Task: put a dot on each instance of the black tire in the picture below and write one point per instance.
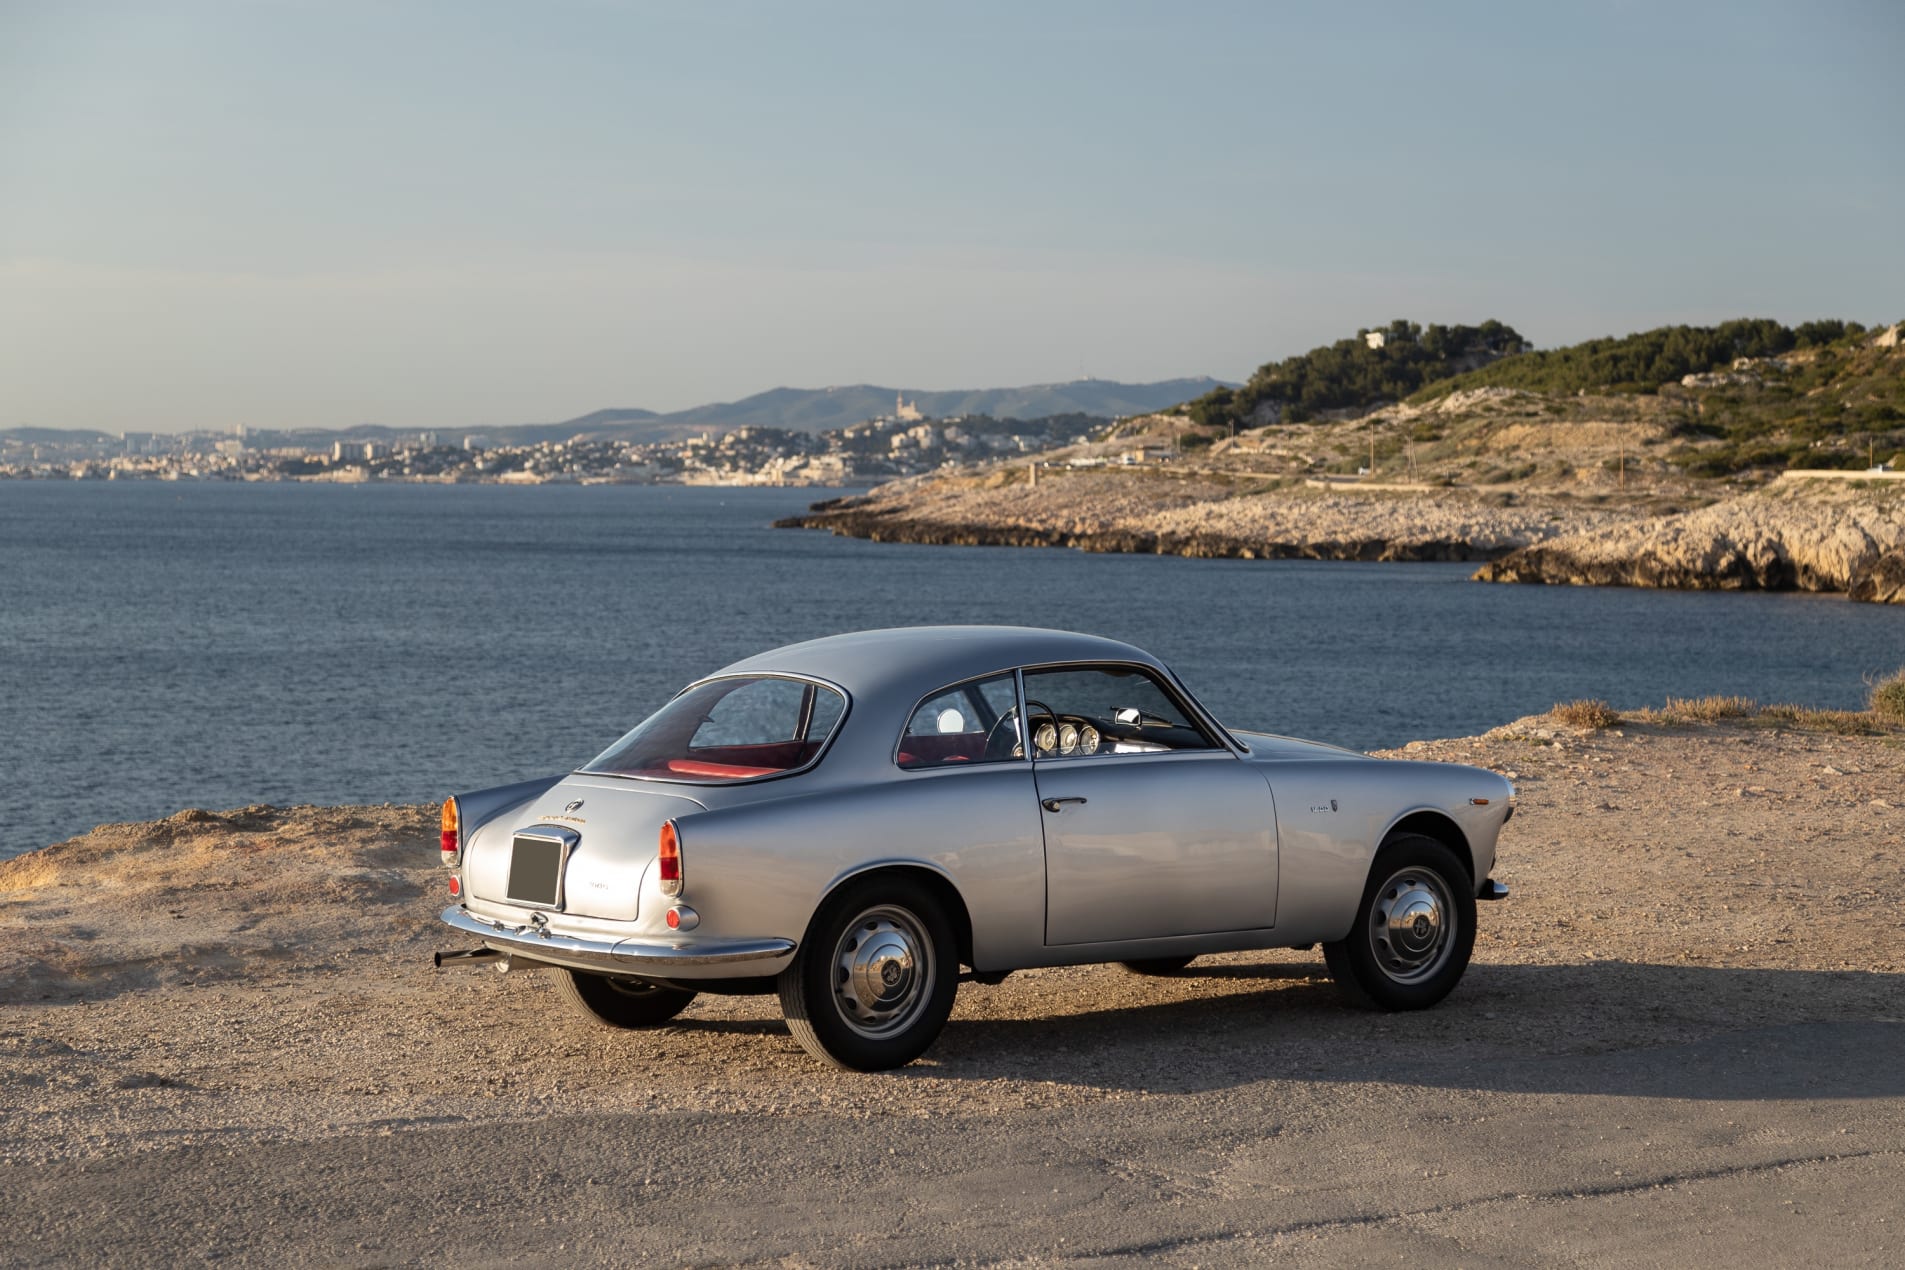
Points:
(1157, 965)
(622, 1003)
(875, 978)
(1414, 929)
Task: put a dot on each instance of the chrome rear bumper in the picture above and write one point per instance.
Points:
(729, 957)
(1492, 890)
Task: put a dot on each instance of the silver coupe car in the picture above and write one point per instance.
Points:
(850, 821)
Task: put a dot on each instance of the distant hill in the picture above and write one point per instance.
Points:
(821, 409)
(798, 409)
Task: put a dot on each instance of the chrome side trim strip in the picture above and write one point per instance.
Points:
(538, 943)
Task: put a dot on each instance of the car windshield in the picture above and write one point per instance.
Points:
(729, 730)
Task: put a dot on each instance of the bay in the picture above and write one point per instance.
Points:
(176, 645)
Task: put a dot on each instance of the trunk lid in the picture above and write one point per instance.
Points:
(617, 824)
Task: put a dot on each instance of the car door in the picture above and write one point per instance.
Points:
(1152, 827)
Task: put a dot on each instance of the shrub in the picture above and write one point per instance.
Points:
(1589, 712)
(1808, 719)
(1698, 710)
(1887, 699)
(1711, 709)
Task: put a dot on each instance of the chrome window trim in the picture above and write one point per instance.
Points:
(846, 709)
(1018, 700)
(1114, 759)
(1167, 679)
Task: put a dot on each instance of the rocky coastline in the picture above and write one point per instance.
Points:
(1830, 536)
(879, 527)
(1792, 536)
(1199, 518)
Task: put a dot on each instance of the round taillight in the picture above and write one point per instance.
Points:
(456, 886)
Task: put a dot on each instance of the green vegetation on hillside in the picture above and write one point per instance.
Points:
(1838, 406)
(1743, 396)
(1356, 374)
(1642, 362)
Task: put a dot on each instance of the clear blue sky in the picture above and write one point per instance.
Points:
(288, 213)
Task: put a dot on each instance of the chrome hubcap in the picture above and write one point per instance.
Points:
(1411, 926)
(883, 971)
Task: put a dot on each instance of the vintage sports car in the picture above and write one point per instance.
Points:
(849, 821)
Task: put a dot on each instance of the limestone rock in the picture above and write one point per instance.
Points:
(1883, 582)
(1808, 536)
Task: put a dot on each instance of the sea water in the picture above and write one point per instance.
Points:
(169, 645)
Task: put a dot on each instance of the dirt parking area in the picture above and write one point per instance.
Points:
(221, 1038)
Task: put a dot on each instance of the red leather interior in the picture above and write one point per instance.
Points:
(735, 762)
(930, 750)
(697, 767)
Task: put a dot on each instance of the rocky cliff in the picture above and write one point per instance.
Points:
(1802, 535)
(1118, 512)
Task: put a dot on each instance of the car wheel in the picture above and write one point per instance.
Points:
(625, 1003)
(875, 978)
(1414, 929)
(1157, 965)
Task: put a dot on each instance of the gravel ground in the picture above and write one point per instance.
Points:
(1689, 906)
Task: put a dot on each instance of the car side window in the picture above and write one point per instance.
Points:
(972, 722)
(1092, 711)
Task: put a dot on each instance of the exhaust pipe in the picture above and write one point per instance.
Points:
(472, 954)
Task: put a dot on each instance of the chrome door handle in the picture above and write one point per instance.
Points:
(1053, 804)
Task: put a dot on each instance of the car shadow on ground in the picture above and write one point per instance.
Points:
(1607, 1027)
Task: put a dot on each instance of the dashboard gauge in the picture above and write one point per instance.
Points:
(1088, 740)
(1046, 738)
(1067, 739)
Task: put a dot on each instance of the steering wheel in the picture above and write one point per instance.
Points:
(1006, 729)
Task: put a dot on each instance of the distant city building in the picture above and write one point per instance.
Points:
(906, 410)
(1375, 339)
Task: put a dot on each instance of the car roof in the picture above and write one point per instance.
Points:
(886, 673)
(897, 666)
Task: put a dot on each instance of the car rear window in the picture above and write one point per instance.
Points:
(724, 730)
